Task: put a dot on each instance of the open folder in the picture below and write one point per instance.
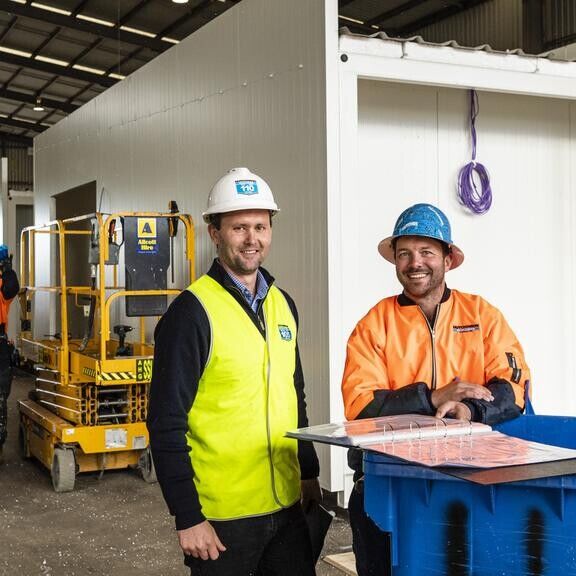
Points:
(447, 444)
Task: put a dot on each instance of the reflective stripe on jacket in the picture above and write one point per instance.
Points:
(394, 346)
(246, 401)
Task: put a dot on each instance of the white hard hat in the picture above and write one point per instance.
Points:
(239, 189)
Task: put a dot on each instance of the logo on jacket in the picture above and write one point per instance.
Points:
(468, 328)
(285, 332)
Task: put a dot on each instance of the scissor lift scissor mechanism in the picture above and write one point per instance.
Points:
(88, 409)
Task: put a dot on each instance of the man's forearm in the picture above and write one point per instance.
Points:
(503, 407)
(411, 399)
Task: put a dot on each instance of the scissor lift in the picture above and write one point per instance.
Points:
(88, 409)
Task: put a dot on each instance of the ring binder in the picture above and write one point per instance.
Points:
(435, 442)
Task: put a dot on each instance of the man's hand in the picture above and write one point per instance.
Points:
(457, 391)
(452, 409)
(311, 492)
(201, 541)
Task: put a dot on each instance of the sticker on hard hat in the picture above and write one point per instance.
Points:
(246, 187)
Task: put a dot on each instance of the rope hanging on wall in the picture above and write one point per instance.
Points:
(474, 189)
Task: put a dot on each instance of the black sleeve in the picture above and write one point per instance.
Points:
(10, 284)
(411, 399)
(502, 408)
(182, 344)
(307, 458)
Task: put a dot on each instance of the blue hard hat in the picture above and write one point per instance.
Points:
(422, 220)
(3, 251)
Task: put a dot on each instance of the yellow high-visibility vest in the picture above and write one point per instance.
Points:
(246, 401)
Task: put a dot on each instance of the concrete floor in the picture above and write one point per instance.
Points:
(114, 525)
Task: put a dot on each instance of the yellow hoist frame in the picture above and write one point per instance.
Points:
(89, 406)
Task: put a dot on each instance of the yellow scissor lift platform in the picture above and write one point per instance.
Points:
(89, 406)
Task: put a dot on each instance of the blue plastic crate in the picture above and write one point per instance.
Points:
(441, 525)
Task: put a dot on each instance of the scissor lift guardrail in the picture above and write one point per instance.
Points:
(89, 406)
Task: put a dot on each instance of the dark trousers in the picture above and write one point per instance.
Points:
(3, 417)
(371, 546)
(276, 544)
(6, 352)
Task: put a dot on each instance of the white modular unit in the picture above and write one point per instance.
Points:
(348, 132)
(520, 255)
(403, 135)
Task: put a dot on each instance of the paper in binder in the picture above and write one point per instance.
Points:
(435, 442)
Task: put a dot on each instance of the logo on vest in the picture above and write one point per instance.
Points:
(285, 332)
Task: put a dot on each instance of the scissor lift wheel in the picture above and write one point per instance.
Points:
(63, 470)
(146, 466)
(23, 441)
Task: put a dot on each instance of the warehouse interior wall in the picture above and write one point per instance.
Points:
(520, 256)
(247, 89)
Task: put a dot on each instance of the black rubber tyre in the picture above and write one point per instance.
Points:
(23, 447)
(146, 466)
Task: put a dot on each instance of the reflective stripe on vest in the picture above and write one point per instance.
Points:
(246, 401)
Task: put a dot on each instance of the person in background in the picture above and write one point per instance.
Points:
(227, 384)
(9, 288)
(430, 350)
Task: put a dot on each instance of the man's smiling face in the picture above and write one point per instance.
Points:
(243, 240)
(421, 264)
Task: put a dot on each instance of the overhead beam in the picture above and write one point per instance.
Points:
(8, 27)
(389, 14)
(436, 17)
(21, 124)
(192, 13)
(554, 43)
(533, 26)
(32, 99)
(6, 138)
(57, 70)
(73, 23)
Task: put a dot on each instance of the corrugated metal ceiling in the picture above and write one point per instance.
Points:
(63, 53)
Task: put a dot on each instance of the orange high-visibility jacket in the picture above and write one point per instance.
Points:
(7, 293)
(394, 346)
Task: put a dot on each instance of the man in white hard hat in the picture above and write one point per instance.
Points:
(430, 350)
(227, 384)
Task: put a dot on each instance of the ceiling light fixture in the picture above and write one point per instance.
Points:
(180, 1)
(38, 106)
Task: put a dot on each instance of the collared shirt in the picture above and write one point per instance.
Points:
(261, 289)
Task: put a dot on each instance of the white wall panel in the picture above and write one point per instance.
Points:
(520, 255)
(497, 22)
(243, 90)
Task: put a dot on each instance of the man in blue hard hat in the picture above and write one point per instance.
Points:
(9, 287)
(429, 350)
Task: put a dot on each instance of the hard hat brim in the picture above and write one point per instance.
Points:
(273, 208)
(387, 251)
